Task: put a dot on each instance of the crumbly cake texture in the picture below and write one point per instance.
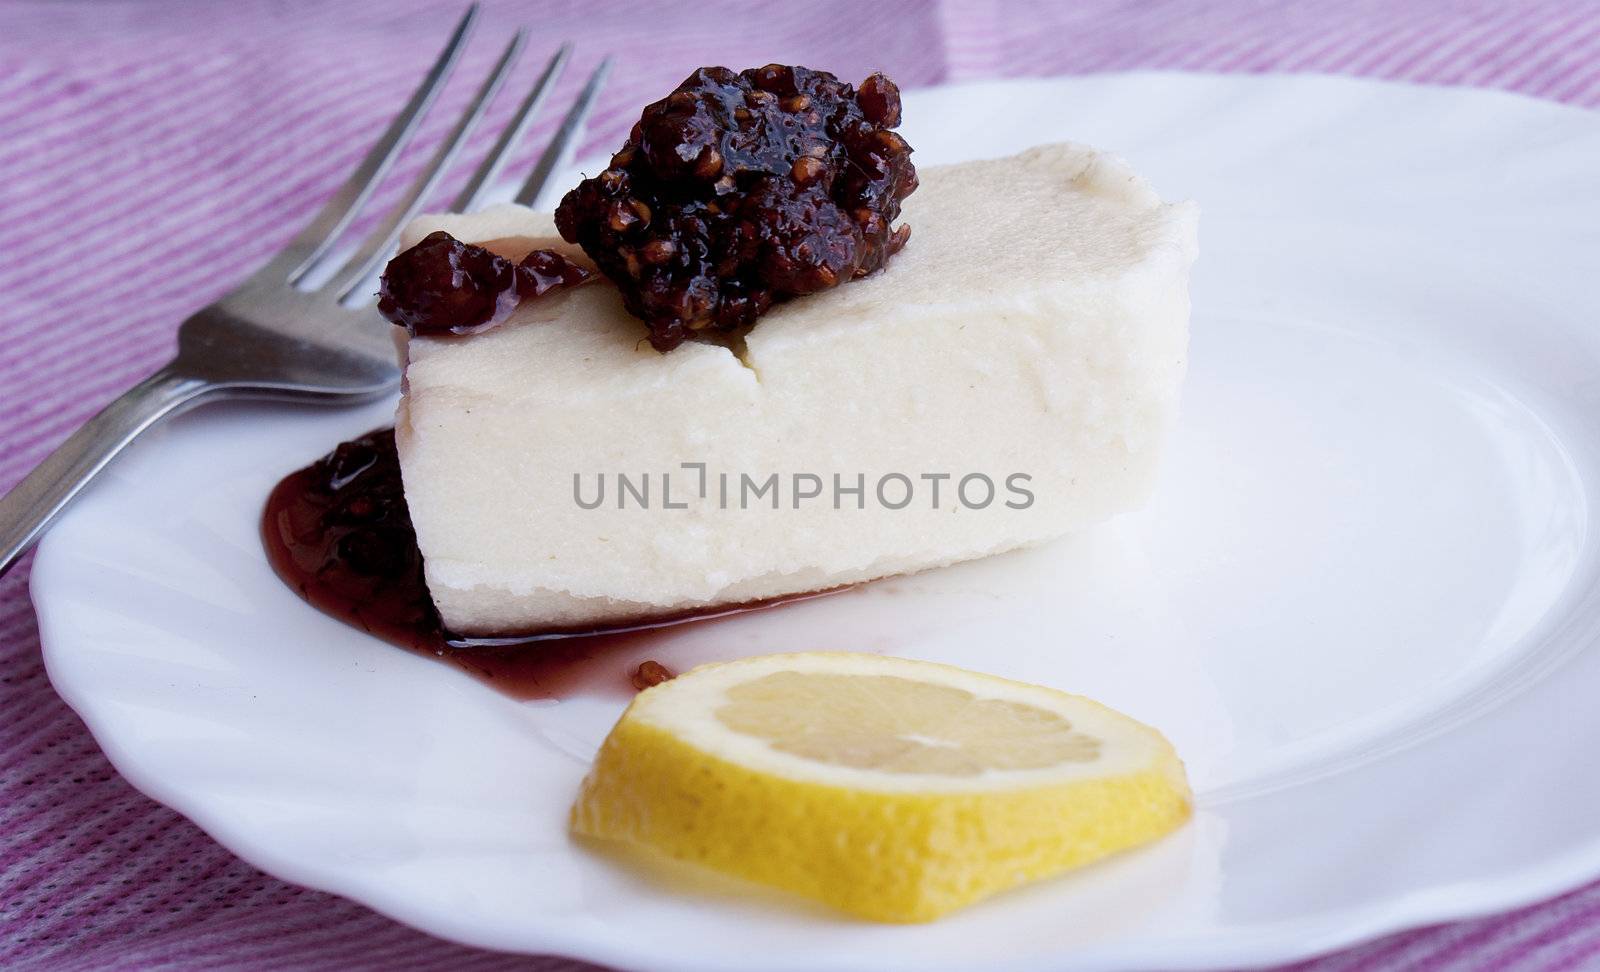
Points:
(1037, 324)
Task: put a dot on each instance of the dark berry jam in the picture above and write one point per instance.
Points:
(740, 190)
(338, 532)
(651, 673)
(445, 286)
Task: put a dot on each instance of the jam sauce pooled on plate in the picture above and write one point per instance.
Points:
(339, 534)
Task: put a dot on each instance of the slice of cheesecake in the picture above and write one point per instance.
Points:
(1030, 337)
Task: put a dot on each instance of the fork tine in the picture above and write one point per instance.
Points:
(317, 238)
(363, 266)
(566, 137)
(489, 169)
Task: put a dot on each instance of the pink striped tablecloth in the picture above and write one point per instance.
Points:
(153, 153)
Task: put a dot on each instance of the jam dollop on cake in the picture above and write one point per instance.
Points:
(445, 286)
(739, 190)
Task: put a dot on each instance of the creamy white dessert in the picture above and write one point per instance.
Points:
(1032, 335)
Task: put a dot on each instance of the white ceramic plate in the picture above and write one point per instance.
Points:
(1363, 604)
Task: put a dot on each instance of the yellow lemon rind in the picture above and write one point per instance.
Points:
(892, 856)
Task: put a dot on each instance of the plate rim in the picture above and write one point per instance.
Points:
(1459, 902)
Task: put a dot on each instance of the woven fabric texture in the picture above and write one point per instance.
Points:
(151, 154)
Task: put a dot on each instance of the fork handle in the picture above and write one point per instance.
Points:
(32, 504)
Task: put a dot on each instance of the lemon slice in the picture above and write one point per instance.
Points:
(896, 790)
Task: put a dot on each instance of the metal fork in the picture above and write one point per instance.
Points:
(276, 336)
